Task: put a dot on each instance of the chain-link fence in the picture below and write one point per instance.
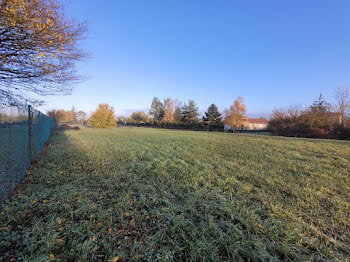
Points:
(23, 133)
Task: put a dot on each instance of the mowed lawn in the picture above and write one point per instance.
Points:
(138, 194)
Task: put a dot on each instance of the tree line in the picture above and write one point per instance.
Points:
(39, 49)
(166, 114)
(319, 120)
(68, 116)
(171, 114)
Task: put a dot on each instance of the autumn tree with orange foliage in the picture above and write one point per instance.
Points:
(38, 50)
(234, 116)
(169, 111)
(103, 117)
(68, 116)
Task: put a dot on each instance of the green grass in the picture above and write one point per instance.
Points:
(161, 195)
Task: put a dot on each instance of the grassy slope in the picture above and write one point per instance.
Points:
(148, 194)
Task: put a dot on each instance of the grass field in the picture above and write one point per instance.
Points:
(162, 195)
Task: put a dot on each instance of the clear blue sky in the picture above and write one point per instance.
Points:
(273, 53)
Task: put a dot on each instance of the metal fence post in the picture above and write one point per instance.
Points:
(30, 133)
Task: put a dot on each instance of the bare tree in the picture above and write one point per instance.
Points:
(81, 117)
(38, 50)
(278, 113)
(294, 112)
(342, 105)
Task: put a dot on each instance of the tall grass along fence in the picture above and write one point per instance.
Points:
(23, 133)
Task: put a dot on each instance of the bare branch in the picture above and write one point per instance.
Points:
(38, 49)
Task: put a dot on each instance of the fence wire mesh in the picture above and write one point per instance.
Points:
(23, 133)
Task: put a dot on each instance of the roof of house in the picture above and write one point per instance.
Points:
(257, 120)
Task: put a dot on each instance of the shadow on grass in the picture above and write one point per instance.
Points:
(14, 159)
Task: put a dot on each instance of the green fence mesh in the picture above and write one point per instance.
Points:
(23, 133)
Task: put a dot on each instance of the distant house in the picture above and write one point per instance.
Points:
(256, 123)
(252, 124)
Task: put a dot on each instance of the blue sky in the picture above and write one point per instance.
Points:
(273, 53)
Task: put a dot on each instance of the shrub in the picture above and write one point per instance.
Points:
(103, 117)
(319, 133)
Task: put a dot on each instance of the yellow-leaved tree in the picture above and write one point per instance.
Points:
(103, 117)
(39, 49)
(235, 115)
(169, 111)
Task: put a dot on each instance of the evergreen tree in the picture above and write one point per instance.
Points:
(320, 106)
(189, 112)
(212, 116)
(318, 113)
(177, 115)
(157, 110)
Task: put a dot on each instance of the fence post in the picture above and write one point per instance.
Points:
(30, 134)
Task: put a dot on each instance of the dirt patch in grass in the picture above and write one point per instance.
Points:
(67, 127)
